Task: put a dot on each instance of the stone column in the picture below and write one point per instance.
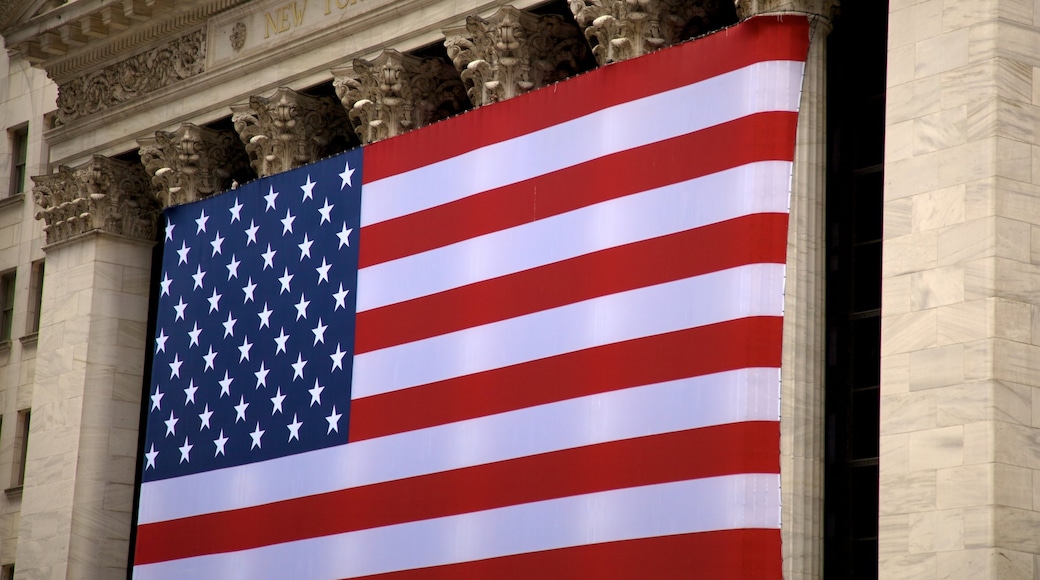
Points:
(397, 92)
(622, 29)
(288, 129)
(802, 428)
(512, 52)
(79, 479)
(192, 162)
(960, 350)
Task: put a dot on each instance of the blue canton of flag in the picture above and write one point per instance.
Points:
(255, 324)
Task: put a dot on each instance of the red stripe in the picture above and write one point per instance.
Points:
(721, 450)
(750, 554)
(755, 40)
(757, 238)
(742, 343)
(759, 137)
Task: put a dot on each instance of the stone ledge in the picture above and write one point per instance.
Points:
(30, 339)
(12, 200)
(13, 492)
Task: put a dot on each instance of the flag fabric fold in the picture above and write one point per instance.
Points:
(541, 339)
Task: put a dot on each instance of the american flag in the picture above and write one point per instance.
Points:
(539, 340)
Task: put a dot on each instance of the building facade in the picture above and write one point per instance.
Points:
(910, 424)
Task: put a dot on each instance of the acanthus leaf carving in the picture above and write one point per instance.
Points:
(623, 29)
(192, 162)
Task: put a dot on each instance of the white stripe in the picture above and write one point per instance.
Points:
(752, 290)
(699, 505)
(764, 86)
(730, 397)
(763, 187)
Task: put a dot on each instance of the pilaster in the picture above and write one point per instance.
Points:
(396, 92)
(288, 129)
(192, 162)
(79, 478)
(514, 51)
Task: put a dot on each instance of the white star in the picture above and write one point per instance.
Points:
(265, 316)
(171, 425)
(193, 335)
(248, 289)
(209, 358)
(189, 393)
(305, 247)
(216, 243)
(214, 301)
(169, 230)
(345, 176)
(287, 223)
(270, 197)
(340, 297)
(175, 366)
(319, 332)
(150, 456)
(160, 341)
(297, 367)
(276, 400)
(232, 268)
(201, 222)
(204, 417)
(316, 393)
(225, 385)
(294, 428)
(323, 271)
(285, 280)
(333, 420)
(220, 442)
(240, 409)
(301, 307)
(165, 285)
(307, 187)
(179, 308)
(182, 254)
(256, 435)
(185, 450)
(326, 212)
(269, 257)
(236, 211)
(280, 341)
(337, 358)
(251, 232)
(157, 399)
(344, 236)
(244, 349)
(198, 276)
(229, 326)
(261, 376)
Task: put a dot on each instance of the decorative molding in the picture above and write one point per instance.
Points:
(749, 8)
(623, 29)
(288, 129)
(238, 36)
(191, 163)
(103, 194)
(513, 52)
(136, 76)
(396, 92)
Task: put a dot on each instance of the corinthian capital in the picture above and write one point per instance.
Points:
(749, 8)
(192, 162)
(103, 194)
(623, 29)
(288, 129)
(513, 52)
(397, 92)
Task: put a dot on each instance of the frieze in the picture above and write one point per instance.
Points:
(134, 77)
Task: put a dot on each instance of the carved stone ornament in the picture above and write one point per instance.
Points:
(749, 8)
(238, 36)
(397, 92)
(288, 129)
(623, 29)
(513, 52)
(103, 194)
(134, 77)
(191, 163)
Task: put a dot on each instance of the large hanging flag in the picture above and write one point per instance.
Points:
(538, 340)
